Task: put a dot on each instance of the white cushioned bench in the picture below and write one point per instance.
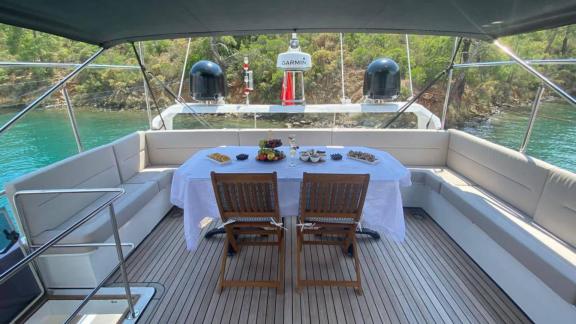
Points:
(514, 215)
(124, 164)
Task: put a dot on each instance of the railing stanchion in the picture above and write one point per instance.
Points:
(132, 314)
(448, 89)
(72, 117)
(533, 114)
(537, 74)
(48, 92)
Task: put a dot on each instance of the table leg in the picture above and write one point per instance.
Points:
(215, 231)
(364, 231)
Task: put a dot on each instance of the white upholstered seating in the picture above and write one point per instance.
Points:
(523, 205)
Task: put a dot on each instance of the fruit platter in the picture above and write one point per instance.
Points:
(269, 155)
(363, 157)
(219, 158)
(312, 156)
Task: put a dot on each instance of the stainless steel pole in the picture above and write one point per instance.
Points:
(531, 121)
(428, 86)
(184, 68)
(132, 314)
(342, 69)
(72, 117)
(537, 74)
(448, 88)
(48, 92)
(409, 64)
(146, 90)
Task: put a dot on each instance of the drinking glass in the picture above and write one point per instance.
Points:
(293, 147)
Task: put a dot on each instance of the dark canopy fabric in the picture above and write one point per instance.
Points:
(110, 22)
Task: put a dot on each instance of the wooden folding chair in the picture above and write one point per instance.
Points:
(248, 205)
(331, 204)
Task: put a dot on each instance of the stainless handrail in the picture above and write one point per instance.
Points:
(537, 74)
(52, 242)
(48, 92)
(566, 61)
(75, 245)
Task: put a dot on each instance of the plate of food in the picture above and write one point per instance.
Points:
(219, 158)
(269, 155)
(363, 157)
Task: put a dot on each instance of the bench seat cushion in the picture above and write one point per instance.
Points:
(160, 175)
(549, 259)
(434, 177)
(98, 229)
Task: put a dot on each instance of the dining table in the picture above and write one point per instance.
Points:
(383, 211)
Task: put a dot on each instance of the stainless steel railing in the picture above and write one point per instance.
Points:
(52, 242)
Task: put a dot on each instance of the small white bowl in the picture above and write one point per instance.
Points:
(304, 156)
(314, 158)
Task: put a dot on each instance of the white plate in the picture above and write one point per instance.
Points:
(218, 162)
(364, 161)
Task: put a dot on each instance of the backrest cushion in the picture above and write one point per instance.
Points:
(310, 137)
(175, 147)
(514, 177)
(556, 210)
(91, 169)
(130, 152)
(410, 147)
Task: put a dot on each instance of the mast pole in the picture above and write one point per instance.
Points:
(50, 91)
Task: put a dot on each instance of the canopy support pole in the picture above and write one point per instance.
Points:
(72, 117)
(448, 89)
(344, 100)
(535, 107)
(50, 91)
(143, 70)
(146, 90)
(537, 74)
(428, 86)
(184, 67)
(409, 65)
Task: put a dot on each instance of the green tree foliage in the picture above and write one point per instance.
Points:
(475, 91)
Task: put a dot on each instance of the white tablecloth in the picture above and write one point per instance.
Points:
(192, 188)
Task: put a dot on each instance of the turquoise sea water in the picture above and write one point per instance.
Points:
(553, 137)
(44, 136)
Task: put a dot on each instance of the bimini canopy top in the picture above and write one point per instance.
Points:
(110, 22)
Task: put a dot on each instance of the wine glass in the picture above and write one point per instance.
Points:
(293, 147)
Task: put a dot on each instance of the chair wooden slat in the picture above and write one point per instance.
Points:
(251, 200)
(333, 203)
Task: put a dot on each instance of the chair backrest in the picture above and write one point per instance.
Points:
(333, 195)
(253, 195)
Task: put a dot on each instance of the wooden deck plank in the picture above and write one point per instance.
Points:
(426, 279)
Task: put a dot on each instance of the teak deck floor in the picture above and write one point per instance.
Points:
(426, 279)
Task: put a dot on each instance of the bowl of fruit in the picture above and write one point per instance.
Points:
(269, 155)
(270, 143)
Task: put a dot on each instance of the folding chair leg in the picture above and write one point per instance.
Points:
(223, 266)
(232, 239)
(358, 288)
